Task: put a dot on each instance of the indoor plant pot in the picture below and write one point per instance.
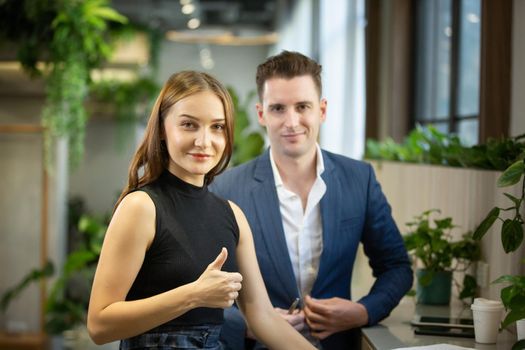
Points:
(439, 254)
(438, 291)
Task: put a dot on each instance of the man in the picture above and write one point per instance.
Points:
(308, 210)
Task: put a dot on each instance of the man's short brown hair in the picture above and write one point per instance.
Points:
(288, 64)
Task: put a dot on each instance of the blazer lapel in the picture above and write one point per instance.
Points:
(329, 215)
(266, 203)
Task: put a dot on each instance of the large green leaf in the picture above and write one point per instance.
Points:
(511, 235)
(516, 201)
(519, 345)
(486, 223)
(512, 174)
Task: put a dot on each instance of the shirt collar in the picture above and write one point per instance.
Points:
(319, 166)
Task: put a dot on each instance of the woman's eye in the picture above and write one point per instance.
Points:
(219, 126)
(188, 125)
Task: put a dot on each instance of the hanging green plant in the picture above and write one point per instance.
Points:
(132, 101)
(79, 44)
(71, 37)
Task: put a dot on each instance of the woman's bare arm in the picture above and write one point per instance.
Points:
(266, 324)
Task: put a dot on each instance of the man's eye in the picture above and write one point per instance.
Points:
(302, 107)
(277, 108)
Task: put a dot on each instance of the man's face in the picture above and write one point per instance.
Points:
(292, 113)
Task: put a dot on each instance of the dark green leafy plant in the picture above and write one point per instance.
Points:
(131, 99)
(512, 296)
(68, 301)
(33, 276)
(71, 37)
(432, 243)
(429, 146)
(248, 140)
(511, 228)
(66, 305)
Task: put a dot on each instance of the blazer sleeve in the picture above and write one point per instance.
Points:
(388, 258)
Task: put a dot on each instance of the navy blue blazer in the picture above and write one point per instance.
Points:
(354, 210)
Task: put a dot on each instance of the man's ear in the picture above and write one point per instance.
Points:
(260, 114)
(323, 105)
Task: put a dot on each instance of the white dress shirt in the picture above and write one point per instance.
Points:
(302, 228)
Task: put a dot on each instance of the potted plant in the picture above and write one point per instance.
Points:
(66, 305)
(513, 295)
(432, 243)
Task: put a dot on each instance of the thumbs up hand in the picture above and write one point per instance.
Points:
(219, 260)
(216, 288)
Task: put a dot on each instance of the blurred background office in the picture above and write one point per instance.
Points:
(388, 66)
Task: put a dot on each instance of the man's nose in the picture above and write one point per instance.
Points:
(202, 138)
(291, 119)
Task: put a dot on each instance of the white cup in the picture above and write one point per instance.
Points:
(520, 329)
(487, 318)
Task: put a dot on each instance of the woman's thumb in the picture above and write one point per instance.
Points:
(219, 260)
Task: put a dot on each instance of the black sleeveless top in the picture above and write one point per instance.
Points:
(192, 225)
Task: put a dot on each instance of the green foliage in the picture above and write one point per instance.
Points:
(33, 276)
(126, 96)
(513, 298)
(519, 345)
(72, 37)
(431, 242)
(248, 141)
(428, 145)
(512, 228)
(131, 99)
(66, 307)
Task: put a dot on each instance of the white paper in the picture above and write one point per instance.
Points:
(436, 347)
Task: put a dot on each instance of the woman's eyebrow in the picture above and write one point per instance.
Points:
(184, 115)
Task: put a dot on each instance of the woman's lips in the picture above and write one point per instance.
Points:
(200, 156)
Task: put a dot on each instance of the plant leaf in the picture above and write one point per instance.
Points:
(486, 224)
(519, 345)
(469, 287)
(511, 235)
(426, 278)
(512, 174)
(515, 200)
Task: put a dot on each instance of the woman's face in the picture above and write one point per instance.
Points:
(194, 132)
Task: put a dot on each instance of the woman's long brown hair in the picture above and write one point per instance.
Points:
(152, 155)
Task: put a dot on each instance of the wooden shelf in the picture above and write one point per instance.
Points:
(23, 341)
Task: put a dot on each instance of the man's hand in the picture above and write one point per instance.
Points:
(295, 319)
(328, 316)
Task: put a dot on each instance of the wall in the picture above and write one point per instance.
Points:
(517, 125)
(21, 196)
(466, 195)
(234, 65)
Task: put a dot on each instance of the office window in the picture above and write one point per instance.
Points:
(447, 57)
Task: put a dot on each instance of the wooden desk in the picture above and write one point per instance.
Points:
(23, 341)
(396, 331)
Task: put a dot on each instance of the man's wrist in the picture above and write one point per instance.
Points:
(363, 317)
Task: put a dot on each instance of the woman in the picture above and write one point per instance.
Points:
(168, 265)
